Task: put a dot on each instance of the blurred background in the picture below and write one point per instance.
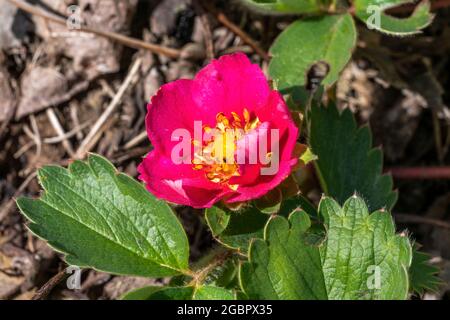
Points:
(75, 77)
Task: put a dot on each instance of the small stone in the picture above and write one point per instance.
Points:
(163, 20)
(41, 87)
(14, 26)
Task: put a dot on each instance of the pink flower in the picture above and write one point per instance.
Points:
(229, 95)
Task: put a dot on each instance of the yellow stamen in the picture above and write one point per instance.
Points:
(207, 129)
(235, 117)
(217, 157)
(252, 124)
(246, 115)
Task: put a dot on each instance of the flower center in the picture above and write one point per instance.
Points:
(216, 155)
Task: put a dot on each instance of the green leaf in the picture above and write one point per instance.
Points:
(358, 247)
(235, 229)
(375, 18)
(140, 294)
(347, 162)
(180, 293)
(212, 293)
(224, 275)
(103, 219)
(288, 6)
(282, 266)
(329, 38)
(357, 242)
(423, 275)
(296, 203)
(176, 293)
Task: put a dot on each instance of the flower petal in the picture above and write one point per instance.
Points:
(178, 183)
(230, 84)
(251, 183)
(170, 109)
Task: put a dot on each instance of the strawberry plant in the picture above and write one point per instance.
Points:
(227, 143)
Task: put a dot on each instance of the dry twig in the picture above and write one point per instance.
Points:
(59, 131)
(68, 135)
(45, 290)
(76, 122)
(420, 172)
(136, 140)
(204, 19)
(36, 137)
